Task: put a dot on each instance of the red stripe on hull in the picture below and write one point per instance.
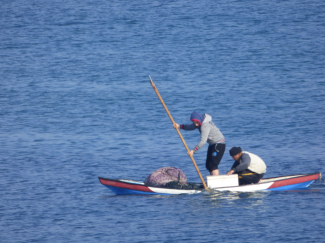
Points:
(125, 185)
(296, 180)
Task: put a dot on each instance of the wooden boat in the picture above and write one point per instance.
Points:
(282, 183)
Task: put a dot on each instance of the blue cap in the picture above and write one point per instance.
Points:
(195, 116)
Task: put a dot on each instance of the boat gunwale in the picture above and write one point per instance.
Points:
(161, 187)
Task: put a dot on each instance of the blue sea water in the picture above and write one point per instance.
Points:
(76, 103)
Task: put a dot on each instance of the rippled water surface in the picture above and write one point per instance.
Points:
(76, 103)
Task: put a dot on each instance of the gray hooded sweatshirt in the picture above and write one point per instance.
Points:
(209, 132)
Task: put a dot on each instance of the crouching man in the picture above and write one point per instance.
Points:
(249, 167)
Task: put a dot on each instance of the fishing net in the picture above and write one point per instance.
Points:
(177, 185)
(165, 175)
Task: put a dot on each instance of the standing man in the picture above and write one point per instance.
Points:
(249, 167)
(209, 134)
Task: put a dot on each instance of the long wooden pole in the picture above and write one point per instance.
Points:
(179, 133)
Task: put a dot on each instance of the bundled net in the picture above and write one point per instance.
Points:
(165, 175)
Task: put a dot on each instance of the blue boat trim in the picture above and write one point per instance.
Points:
(292, 187)
(123, 191)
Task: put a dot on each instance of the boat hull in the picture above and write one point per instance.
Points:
(283, 183)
